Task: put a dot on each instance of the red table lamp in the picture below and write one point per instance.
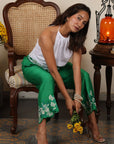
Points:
(105, 32)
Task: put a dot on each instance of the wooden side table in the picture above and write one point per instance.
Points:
(102, 55)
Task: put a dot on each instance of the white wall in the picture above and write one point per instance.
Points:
(86, 60)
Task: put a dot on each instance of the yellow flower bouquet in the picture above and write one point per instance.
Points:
(3, 34)
(75, 123)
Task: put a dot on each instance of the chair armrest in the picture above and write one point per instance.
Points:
(8, 47)
(11, 55)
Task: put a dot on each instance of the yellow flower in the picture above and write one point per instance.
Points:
(80, 122)
(81, 132)
(76, 125)
(0, 28)
(3, 34)
(69, 126)
(75, 130)
(80, 129)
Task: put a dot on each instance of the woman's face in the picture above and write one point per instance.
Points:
(78, 21)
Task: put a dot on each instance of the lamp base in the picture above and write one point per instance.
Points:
(106, 43)
(104, 49)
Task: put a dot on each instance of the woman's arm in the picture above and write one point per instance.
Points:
(77, 76)
(46, 43)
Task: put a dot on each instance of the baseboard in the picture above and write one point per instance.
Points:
(28, 95)
(34, 95)
(103, 96)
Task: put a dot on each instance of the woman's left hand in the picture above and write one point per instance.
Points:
(77, 106)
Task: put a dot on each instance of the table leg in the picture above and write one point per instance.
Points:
(108, 84)
(97, 82)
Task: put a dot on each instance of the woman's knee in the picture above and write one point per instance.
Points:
(47, 83)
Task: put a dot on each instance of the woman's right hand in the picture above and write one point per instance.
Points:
(77, 106)
(70, 105)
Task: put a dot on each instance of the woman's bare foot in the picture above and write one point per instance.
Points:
(93, 127)
(95, 133)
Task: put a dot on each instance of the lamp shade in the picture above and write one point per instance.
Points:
(107, 30)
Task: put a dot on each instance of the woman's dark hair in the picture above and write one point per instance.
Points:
(76, 39)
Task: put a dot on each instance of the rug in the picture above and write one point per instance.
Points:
(57, 132)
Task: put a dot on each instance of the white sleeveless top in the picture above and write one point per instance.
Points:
(61, 52)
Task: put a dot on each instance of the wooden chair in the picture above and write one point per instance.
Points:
(24, 21)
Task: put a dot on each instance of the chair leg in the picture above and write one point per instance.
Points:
(13, 109)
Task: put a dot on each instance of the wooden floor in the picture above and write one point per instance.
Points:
(57, 131)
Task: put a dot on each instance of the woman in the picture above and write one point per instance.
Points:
(48, 63)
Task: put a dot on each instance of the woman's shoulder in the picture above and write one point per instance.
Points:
(49, 32)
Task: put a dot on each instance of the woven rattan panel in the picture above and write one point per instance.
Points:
(27, 21)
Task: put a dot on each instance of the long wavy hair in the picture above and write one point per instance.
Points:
(76, 39)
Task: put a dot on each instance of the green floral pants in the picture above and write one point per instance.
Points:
(42, 79)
